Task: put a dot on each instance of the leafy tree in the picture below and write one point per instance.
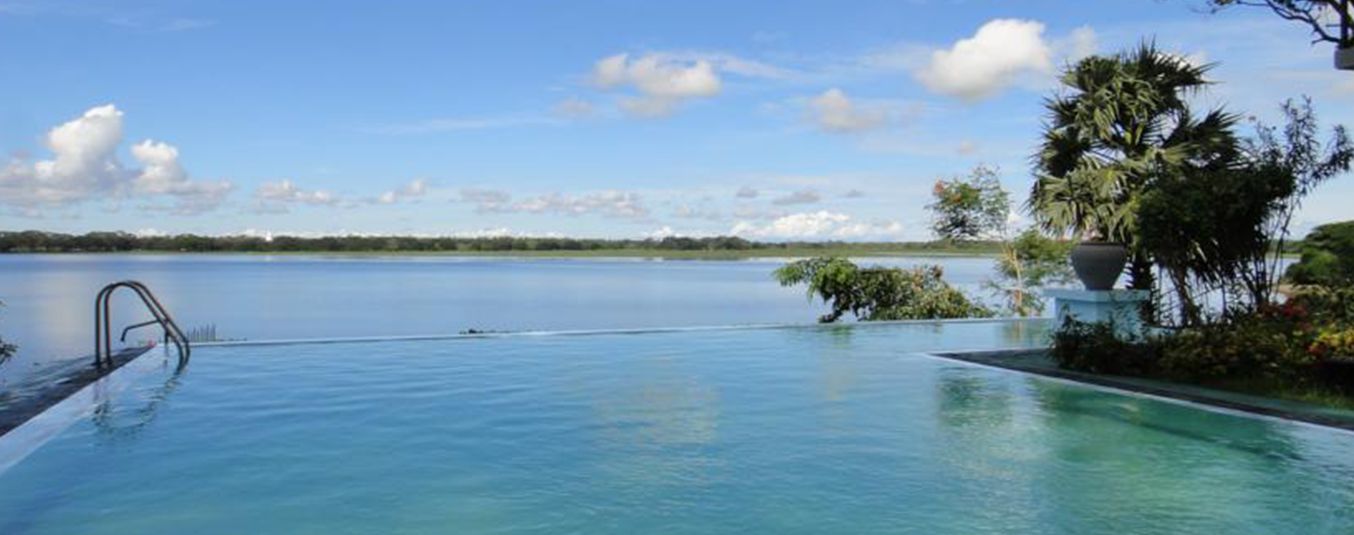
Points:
(1224, 229)
(1307, 162)
(1031, 261)
(1123, 124)
(878, 293)
(970, 208)
(1208, 233)
(977, 207)
(1327, 257)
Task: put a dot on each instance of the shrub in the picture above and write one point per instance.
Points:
(1327, 257)
(1251, 347)
(1096, 348)
(1333, 342)
(879, 293)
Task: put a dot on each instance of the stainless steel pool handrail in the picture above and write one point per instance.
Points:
(103, 345)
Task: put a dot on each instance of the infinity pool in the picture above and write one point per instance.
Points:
(799, 430)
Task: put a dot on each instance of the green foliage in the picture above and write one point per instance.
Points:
(878, 293)
(1327, 257)
(1273, 346)
(1095, 348)
(1123, 124)
(1031, 261)
(1249, 347)
(969, 208)
(1210, 231)
(977, 206)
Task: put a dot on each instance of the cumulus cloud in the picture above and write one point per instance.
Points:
(820, 224)
(996, 56)
(162, 174)
(413, 190)
(746, 192)
(804, 196)
(662, 82)
(85, 166)
(277, 197)
(834, 111)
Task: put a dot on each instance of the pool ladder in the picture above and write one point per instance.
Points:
(103, 346)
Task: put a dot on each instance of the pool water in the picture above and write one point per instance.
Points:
(797, 430)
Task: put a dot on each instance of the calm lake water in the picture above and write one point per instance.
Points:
(49, 298)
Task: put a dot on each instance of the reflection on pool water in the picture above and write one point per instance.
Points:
(803, 430)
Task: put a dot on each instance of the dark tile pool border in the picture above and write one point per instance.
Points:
(28, 436)
(1035, 362)
(40, 393)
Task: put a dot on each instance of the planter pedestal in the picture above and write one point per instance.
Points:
(1117, 307)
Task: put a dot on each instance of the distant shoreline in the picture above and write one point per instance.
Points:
(718, 247)
(564, 254)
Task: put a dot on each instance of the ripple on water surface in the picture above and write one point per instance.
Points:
(775, 431)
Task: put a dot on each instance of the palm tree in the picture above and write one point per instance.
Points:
(1124, 123)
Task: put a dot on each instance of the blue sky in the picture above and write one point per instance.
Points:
(771, 120)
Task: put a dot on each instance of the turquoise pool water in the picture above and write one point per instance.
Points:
(804, 430)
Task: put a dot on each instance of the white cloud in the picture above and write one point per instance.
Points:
(84, 166)
(275, 197)
(996, 56)
(662, 81)
(660, 233)
(1082, 43)
(817, 225)
(804, 196)
(413, 190)
(687, 211)
(486, 200)
(162, 174)
(609, 203)
(834, 111)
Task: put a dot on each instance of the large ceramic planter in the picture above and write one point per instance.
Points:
(1344, 58)
(1099, 264)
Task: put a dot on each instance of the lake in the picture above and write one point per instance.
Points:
(49, 298)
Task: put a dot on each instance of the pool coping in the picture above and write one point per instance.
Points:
(1015, 360)
(49, 391)
(620, 331)
(20, 441)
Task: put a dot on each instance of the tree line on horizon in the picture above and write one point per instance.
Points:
(33, 241)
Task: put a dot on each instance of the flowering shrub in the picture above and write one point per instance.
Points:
(1333, 342)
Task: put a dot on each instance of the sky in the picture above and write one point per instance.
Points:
(778, 120)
